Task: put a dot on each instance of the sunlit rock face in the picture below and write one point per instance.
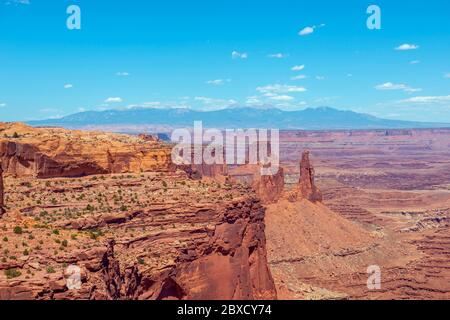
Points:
(307, 188)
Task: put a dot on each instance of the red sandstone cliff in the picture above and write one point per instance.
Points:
(225, 260)
(2, 200)
(53, 152)
(269, 188)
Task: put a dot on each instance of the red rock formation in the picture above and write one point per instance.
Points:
(51, 152)
(148, 137)
(2, 200)
(226, 260)
(269, 188)
(306, 185)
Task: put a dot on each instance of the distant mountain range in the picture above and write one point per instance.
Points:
(322, 118)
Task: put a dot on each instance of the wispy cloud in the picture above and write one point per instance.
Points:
(2, 105)
(309, 30)
(397, 86)
(281, 98)
(9, 2)
(239, 55)
(414, 62)
(299, 77)
(122, 74)
(68, 86)
(407, 46)
(427, 100)
(277, 55)
(447, 75)
(280, 88)
(324, 100)
(113, 99)
(218, 82)
(320, 78)
(209, 104)
(298, 67)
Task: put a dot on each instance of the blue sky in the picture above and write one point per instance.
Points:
(208, 54)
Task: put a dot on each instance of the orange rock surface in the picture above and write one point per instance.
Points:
(54, 152)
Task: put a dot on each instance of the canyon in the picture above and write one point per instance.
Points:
(139, 227)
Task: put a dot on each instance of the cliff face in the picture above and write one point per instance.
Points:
(181, 243)
(2, 199)
(269, 188)
(51, 152)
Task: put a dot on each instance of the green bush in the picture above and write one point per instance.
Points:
(12, 273)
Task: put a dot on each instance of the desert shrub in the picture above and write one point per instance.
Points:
(12, 273)
(50, 269)
(18, 230)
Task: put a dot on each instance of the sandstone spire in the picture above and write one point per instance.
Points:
(2, 202)
(307, 188)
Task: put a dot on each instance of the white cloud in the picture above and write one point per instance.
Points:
(113, 99)
(253, 100)
(320, 78)
(122, 74)
(407, 46)
(218, 82)
(305, 31)
(414, 62)
(299, 77)
(427, 100)
(298, 68)
(282, 98)
(309, 30)
(275, 89)
(2, 105)
(396, 86)
(17, 2)
(277, 55)
(68, 86)
(239, 55)
(447, 75)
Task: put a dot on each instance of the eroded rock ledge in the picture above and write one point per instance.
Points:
(195, 240)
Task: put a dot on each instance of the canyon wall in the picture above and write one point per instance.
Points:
(51, 152)
(226, 260)
(2, 196)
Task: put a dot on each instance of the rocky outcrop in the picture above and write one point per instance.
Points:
(51, 152)
(306, 185)
(198, 171)
(180, 244)
(269, 188)
(148, 137)
(2, 197)
(233, 264)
